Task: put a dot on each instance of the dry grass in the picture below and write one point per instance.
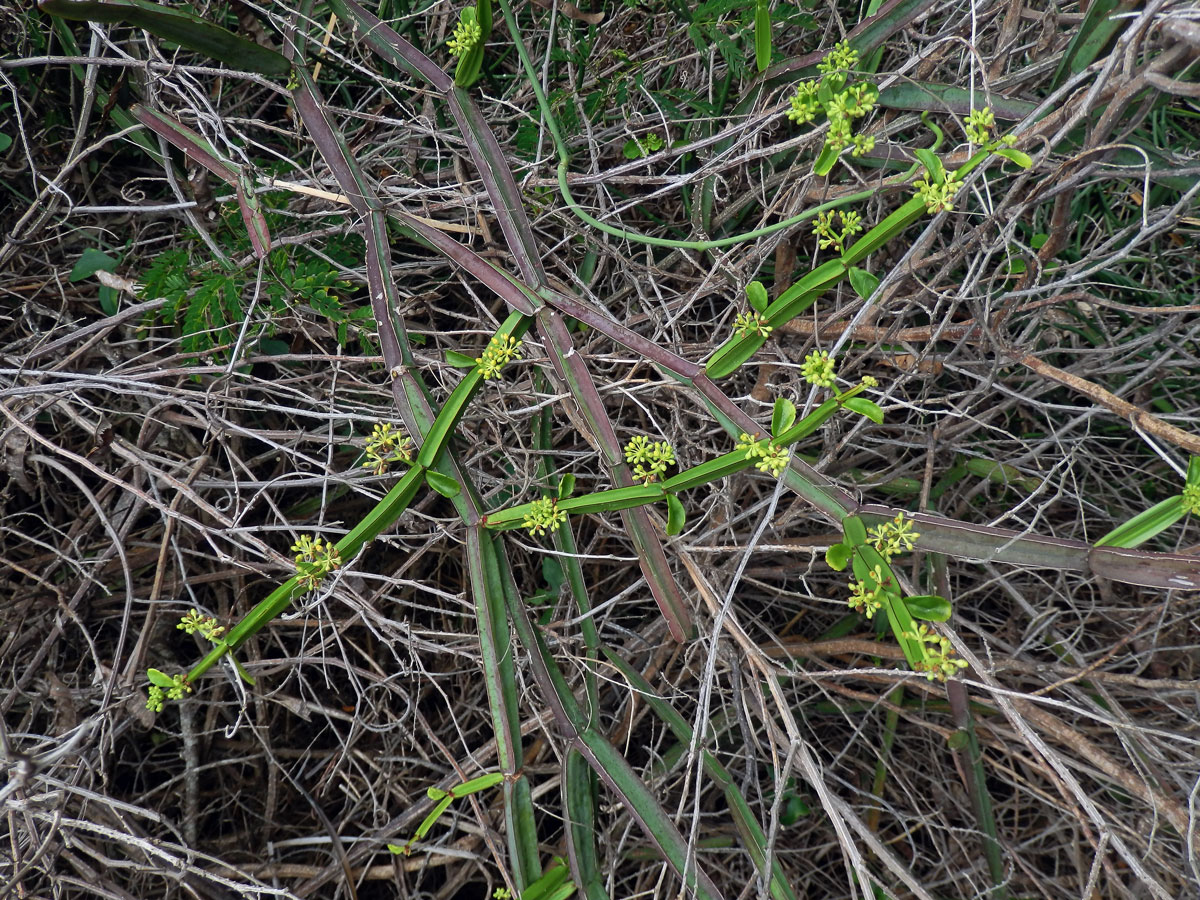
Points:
(138, 486)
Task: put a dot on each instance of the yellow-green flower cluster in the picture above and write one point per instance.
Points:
(751, 323)
(1191, 499)
(770, 458)
(315, 558)
(830, 236)
(466, 35)
(818, 369)
(544, 515)
(937, 197)
(501, 350)
(804, 103)
(979, 125)
(206, 626)
(866, 599)
(843, 104)
(940, 660)
(156, 695)
(386, 447)
(842, 57)
(894, 537)
(649, 458)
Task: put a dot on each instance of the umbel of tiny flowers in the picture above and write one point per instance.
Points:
(844, 103)
(940, 660)
(385, 448)
(937, 197)
(165, 687)
(818, 369)
(979, 125)
(315, 558)
(544, 515)
(864, 598)
(649, 458)
(770, 458)
(828, 236)
(841, 58)
(206, 626)
(467, 34)
(751, 323)
(894, 537)
(501, 350)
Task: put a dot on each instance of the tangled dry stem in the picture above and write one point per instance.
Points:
(140, 485)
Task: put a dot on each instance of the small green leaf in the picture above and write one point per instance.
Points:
(1193, 471)
(459, 360)
(957, 740)
(566, 486)
(865, 407)
(109, 300)
(783, 416)
(730, 357)
(443, 484)
(825, 162)
(756, 294)
(1024, 160)
(794, 809)
(435, 814)
(1146, 525)
(929, 607)
(855, 530)
(89, 263)
(808, 424)
(933, 164)
(160, 679)
(436, 793)
(633, 150)
(829, 86)
(474, 785)
(762, 35)
(863, 282)
(177, 25)
(838, 556)
(676, 515)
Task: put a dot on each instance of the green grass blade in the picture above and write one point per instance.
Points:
(579, 807)
(762, 34)
(1101, 23)
(1146, 524)
(488, 578)
(605, 760)
(178, 26)
(753, 837)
